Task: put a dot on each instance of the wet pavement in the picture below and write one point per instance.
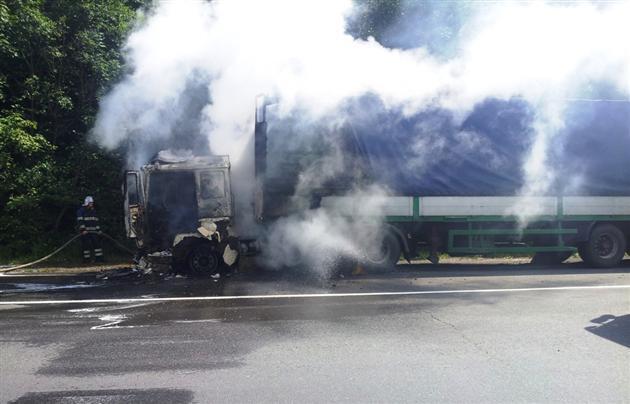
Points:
(457, 333)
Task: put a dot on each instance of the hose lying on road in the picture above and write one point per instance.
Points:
(117, 243)
(67, 243)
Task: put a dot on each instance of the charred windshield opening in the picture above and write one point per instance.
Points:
(212, 184)
(213, 194)
(172, 204)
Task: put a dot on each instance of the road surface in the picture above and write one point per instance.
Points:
(456, 333)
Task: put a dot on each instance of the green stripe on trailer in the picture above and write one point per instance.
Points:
(592, 218)
(510, 232)
(509, 250)
(401, 219)
(416, 207)
(486, 245)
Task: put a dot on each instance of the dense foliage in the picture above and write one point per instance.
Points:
(56, 59)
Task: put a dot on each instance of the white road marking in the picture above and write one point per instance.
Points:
(84, 310)
(206, 320)
(112, 321)
(314, 295)
(106, 308)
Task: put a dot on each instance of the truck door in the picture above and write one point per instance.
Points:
(134, 200)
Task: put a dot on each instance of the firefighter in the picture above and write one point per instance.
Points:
(90, 231)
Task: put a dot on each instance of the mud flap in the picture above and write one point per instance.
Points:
(229, 255)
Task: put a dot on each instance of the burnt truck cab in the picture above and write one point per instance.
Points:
(180, 211)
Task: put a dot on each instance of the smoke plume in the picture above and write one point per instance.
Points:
(205, 62)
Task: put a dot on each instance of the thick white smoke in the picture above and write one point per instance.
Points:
(299, 52)
(322, 240)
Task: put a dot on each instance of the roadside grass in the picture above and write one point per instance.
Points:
(71, 256)
(424, 255)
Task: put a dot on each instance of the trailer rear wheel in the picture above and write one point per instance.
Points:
(605, 248)
(386, 255)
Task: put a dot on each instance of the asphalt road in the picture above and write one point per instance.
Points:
(456, 333)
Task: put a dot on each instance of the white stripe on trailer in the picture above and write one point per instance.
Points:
(596, 205)
(477, 205)
(368, 206)
(485, 205)
(398, 206)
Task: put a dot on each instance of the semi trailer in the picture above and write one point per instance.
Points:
(598, 228)
(466, 200)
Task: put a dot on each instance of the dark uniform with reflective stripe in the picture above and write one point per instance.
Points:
(88, 222)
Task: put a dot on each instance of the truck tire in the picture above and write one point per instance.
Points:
(293, 258)
(605, 248)
(203, 260)
(387, 255)
(550, 258)
(582, 251)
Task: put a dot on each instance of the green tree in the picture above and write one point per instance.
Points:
(56, 59)
(25, 161)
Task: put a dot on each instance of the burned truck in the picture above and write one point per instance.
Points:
(461, 201)
(180, 211)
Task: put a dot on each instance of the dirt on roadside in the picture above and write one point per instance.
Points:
(481, 260)
(60, 269)
(70, 268)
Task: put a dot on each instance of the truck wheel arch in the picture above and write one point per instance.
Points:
(400, 236)
(182, 250)
(385, 255)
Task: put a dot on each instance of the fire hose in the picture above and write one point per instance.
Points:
(66, 244)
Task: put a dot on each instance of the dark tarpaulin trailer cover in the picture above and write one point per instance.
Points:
(429, 154)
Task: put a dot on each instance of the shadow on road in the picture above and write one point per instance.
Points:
(613, 328)
(148, 396)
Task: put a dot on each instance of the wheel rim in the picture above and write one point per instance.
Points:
(378, 255)
(293, 257)
(204, 262)
(606, 246)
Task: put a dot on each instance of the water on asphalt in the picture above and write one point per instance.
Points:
(558, 334)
